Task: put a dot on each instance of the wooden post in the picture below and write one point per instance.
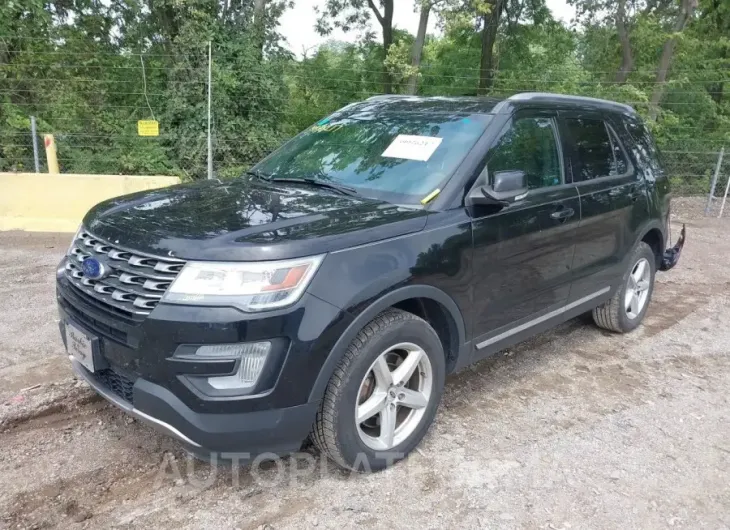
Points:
(51, 156)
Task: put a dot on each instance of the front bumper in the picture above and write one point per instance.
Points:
(137, 369)
(672, 255)
(227, 436)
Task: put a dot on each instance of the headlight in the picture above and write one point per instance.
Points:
(251, 286)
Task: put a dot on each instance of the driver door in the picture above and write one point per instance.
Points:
(523, 252)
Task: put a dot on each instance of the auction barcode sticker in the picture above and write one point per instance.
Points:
(412, 147)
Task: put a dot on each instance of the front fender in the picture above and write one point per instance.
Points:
(371, 311)
(433, 264)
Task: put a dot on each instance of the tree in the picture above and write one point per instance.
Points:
(624, 16)
(259, 24)
(490, 25)
(597, 12)
(686, 11)
(486, 15)
(76, 66)
(417, 51)
(347, 14)
(492, 12)
(385, 19)
(627, 57)
(715, 20)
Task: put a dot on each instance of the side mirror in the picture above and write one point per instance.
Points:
(508, 186)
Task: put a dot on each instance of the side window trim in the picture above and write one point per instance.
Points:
(616, 141)
(559, 147)
(613, 144)
(561, 160)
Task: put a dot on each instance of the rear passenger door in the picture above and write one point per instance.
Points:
(612, 200)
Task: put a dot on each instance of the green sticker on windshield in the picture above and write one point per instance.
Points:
(327, 127)
(323, 121)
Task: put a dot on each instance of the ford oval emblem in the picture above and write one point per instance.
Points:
(94, 269)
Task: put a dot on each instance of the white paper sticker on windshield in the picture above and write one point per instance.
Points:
(412, 147)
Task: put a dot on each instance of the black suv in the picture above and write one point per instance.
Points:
(328, 292)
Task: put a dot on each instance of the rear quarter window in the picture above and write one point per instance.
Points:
(644, 149)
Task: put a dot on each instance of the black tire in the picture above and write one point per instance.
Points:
(612, 315)
(335, 432)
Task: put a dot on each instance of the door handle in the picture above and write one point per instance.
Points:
(563, 214)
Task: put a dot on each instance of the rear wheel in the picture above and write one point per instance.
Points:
(626, 309)
(384, 393)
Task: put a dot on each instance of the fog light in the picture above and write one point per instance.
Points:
(253, 357)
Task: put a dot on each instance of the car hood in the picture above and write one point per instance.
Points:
(247, 220)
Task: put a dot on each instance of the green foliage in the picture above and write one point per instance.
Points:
(75, 65)
(80, 73)
(346, 15)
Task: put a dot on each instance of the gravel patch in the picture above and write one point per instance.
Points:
(575, 428)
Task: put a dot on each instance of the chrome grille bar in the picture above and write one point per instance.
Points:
(137, 281)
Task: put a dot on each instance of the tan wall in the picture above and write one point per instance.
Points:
(43, 202)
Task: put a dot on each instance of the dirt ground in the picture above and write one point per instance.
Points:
(576, 428)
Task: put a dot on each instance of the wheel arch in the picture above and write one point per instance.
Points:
(423, 300)
(653, 235)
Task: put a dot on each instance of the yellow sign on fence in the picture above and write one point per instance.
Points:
(148, 128)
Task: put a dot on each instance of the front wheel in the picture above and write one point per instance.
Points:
(384, 393)
(625, 311)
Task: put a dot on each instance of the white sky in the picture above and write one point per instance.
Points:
(297, 23)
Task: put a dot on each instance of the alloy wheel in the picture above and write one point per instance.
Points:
(393, 396)
(637, 290)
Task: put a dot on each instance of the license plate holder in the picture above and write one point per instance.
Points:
(81, 346)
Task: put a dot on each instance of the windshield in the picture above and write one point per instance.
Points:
(399, 157)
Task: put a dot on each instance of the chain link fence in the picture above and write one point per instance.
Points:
(692, 172)
(94, 119)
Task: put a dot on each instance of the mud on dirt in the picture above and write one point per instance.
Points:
(576, 428)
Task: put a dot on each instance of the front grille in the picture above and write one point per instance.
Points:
(93, 324)
(136, 283)
(120, 384)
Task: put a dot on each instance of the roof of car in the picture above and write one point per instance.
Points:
(489, 105)
(440, 104)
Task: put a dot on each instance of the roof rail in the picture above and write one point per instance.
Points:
(528, 96)
(391, 96)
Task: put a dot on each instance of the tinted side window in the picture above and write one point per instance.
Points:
(593, 149)
(529, 146)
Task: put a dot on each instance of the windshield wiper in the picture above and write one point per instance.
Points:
(257, 174)
(341, 188)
